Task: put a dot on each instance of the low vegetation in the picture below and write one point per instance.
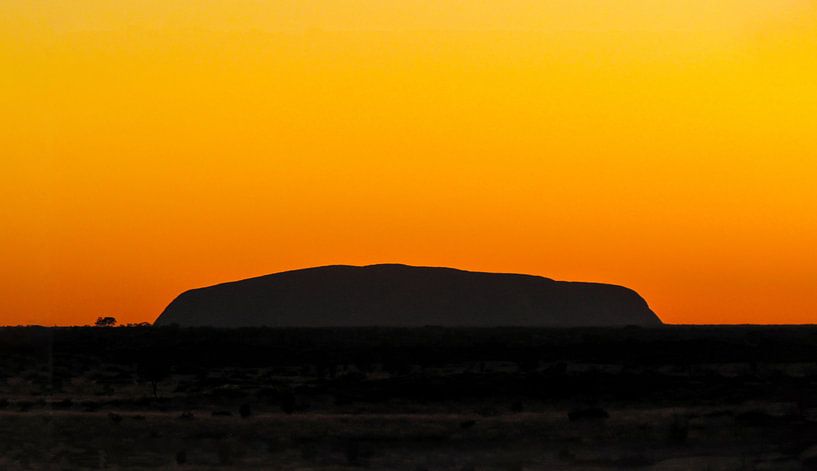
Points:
(432, 398)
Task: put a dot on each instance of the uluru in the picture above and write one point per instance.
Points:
(402, 295)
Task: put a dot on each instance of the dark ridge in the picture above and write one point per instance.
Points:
(401, 295)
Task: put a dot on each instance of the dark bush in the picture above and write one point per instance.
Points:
(755, 418)
(226, 454)
(105, 321)
(352, 452)
(566, 455)
(588, 413)
(678, 429)
(153, 369)
(288, 402)
(63, 404)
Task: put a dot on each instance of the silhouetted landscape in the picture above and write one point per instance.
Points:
(406, 296)
(428, 398)
(408, 368)
(197, 198)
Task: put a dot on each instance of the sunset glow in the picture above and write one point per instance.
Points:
(152, 146)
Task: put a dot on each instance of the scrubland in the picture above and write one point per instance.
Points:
(730, 398)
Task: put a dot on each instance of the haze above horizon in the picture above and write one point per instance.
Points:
(149, 147)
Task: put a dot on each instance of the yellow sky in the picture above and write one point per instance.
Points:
(147, 147)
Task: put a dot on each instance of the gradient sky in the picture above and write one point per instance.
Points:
(151, 146)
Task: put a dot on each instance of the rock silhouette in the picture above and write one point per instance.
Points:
(401, 295)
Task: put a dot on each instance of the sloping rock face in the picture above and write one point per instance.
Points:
(400, 295)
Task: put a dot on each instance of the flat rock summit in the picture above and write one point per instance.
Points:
(401, 295)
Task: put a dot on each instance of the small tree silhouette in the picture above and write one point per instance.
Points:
(153, 369)
(105, 321)
(288, 402)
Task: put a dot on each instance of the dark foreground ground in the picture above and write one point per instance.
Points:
(673, 398)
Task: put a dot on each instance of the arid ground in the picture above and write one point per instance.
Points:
(672, 398)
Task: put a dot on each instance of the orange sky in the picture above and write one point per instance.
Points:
(150, 146)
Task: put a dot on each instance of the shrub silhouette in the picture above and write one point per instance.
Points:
(587, 413)
(526, 364)
(66, 403)
(355, 454)
(397, 366)
(226, 454)
(288, 402)
(566, 455)
(105, 321)
(678, 429)
(755, 418)
(153, 370)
